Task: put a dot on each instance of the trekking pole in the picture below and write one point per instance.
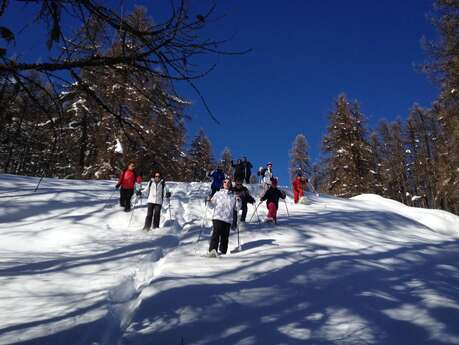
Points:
(204, 219)
(258, 217)
(133, 209)
(253, 213)
(170, 214)
(109, 199)
(314, 190)
(285, 202)
(238, 241)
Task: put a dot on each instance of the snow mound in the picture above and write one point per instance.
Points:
(437, 220)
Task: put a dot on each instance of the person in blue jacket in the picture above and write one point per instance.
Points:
(218, 176)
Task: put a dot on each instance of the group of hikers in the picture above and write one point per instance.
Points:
(156, 191)
(228, 196)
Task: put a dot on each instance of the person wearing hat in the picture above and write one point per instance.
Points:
(272, 196)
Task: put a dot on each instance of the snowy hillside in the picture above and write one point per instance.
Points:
(75, 269)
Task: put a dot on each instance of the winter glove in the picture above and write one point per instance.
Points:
(117, 186)
(168, 195)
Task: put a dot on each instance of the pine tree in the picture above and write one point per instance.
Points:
(394, 161)
(446, 109)
(321, 175)
(147, 121)
(199, 157)
(226, 159)
(376, 165)
(422, 131)
(299, 157)
(27, 126)
(348, 151)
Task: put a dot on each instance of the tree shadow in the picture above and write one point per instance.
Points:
(346, 298)
(66, 263)
(258, 243)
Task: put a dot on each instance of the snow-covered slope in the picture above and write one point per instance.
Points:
(75, 269)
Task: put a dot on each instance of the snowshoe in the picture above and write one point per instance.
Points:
(212, 254)
(304, 201)
(236, 250)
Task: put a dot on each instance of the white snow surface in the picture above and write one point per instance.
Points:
(76, 269)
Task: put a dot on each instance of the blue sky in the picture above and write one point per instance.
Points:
(304, 54)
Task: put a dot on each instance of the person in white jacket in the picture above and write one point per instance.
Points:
(266, 180)
(156, 191)
(225, 202)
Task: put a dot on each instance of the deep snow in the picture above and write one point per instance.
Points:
(75, 269)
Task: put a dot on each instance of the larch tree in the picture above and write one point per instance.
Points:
(226, 159)
(422, 133)
(444, 68)
(394, 161)
(200, 157)
(347, 149)
(299, 157)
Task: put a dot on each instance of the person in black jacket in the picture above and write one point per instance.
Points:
(247, 169)
(239, 170)
(246, 198)
(272, 196)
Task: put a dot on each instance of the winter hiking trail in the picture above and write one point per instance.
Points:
(362, 271)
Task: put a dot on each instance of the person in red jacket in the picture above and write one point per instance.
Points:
(298, 189)
(126, 183)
